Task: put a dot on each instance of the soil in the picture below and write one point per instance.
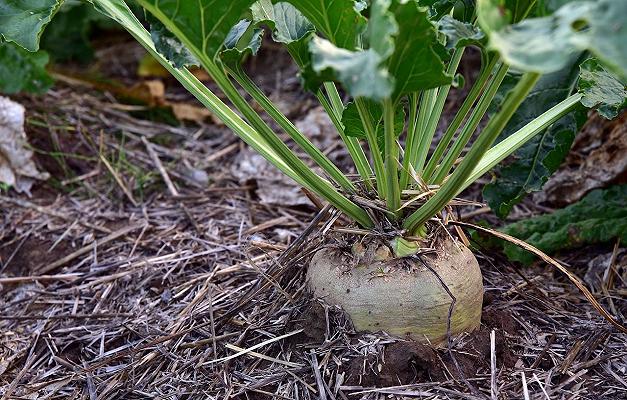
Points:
(32, 254)
(405, 362)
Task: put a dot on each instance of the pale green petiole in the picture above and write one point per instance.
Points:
(334, 97)
(353, 146)
(323, 161)
(459, 118)
(517, 139)
(427, 102)
(411, 137)
(475, 118)
(391, 158)
(375, 151)
(451, 187)
(434, 116)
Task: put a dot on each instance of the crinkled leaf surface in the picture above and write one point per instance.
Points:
(168, 45)
(292, 28)
(289, 26)
(361, 72)
(460, 34)
(339, 20)
(22, 21)
(201, 25)
(600, 217)
(358, 71)
(22, 70)
(601, 89)
(382, 28)
(353, 125)
(439, 8)
(539, 158)
(545, 44)
(244, 38)
(262, 10)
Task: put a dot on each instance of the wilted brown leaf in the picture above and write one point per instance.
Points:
(598, 159)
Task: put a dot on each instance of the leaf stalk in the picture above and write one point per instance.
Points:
(454, 184)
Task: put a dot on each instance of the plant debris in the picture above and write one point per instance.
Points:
(17, 168)
(598, 159)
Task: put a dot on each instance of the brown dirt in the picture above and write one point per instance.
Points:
(312, 320)
(409, 362)
(31, 255)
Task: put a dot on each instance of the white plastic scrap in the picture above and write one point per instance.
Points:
(17, 168)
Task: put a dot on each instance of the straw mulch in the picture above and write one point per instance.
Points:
(133, 275)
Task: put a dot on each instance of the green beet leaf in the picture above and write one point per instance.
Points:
(262, 11)
(395, 30)
(359, 71)
(534, 163)
(295, 31)
(382, 28)
(539, 158)
(338, 20)
(354, 127)
(460, 34)
(417, 37)
(243, 39)
(203, 25)
(168, 45)
(600, 217)
(23, 21)
(22, 70)
(463, 9)
(545, 44)
(601, 89)
(290, 27)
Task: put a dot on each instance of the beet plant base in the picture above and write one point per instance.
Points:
(404, 297)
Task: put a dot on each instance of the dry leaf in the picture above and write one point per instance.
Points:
(152, 92)
(190, 112)
(273, 187)
(317, 126)
(598, 159)
(17, 168)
